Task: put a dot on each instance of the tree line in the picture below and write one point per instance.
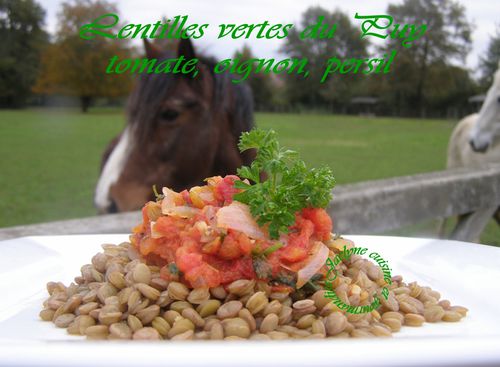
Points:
(428, 79)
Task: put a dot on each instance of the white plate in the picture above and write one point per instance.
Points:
(466, 274)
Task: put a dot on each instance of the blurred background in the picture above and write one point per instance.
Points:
(58, 108)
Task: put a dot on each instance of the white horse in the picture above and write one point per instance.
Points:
(476, 138)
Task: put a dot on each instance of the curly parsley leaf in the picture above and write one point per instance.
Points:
(290, 186)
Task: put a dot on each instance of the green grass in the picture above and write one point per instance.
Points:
(50, 158)
(50, 163)
(360, 148)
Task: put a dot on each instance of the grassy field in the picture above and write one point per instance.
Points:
(50, 158)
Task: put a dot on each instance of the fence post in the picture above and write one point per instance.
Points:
(470, 226)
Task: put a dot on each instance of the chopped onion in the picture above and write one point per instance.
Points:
(154, 232)
(169, 200)
(210, 212)
(314, 263)
(237, 216)
(182, 211)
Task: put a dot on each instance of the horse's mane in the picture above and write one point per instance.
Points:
(146, 99)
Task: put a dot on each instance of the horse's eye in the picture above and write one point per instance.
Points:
(169, 115)
(498, 99)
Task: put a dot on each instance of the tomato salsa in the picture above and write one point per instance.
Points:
(204, 238)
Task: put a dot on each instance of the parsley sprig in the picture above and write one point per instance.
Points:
(290, 186)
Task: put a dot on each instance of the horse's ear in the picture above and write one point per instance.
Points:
(152, 52)
(186, 49)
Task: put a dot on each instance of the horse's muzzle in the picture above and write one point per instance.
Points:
(112, 208)
(478, 148)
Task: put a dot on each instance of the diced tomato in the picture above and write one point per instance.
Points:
(235, 244)
(304, 229)
(194, 233)
(224, 190)
(187, 257)
(166, 248)
(245, 268)
(293, 253)
(245, 244)
(165, 252)
(188, 261)
(230, 248)
(322, 222)
(212, 247)
(298, 242)
(189, 244)
(203, 276)
(231, 270)
(168, 226)
(147, 246)
(237, 269)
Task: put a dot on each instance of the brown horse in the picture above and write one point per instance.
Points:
(180, 130)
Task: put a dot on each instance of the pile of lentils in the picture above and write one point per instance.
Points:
(119, 296)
